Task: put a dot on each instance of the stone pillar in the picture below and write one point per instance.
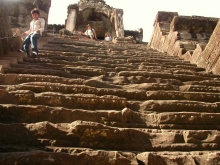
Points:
(119, 26)
(71, 18)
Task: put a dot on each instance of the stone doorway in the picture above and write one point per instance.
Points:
(99, 21)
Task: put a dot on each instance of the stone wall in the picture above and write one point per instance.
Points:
(186, 37)
(20, 16)
(136, 35)
(209, 57)
(5, 30)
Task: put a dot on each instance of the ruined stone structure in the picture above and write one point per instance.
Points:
(136, 35)
(101, 16)
(193, 38)
(100, 103)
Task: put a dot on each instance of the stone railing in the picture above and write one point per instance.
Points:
(187, 37)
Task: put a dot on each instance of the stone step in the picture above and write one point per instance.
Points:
(88, 63)
(146, 74)
(68, 49)
(38, 113)
(98, 136)
(161, 60)
(173, 126)
(85, 71)
(158, 60)
(182, 76)
(179, 106)
(84, 101)
(183, 158)
(172, 64)
(181, 118)
(94, 51)
(96, 45)
(113, 63)
(26, 65)
(124, 118)
(199, 88)
(80, 70)
(40, 87)
(164, 75)
(62, 157)
(8, 79)
(62, 57)
(82, 156)
(175, 95)
(122, 80)
(77, 43)
(212, 82)
(47, 53)
(36, 71)
(109, 61)
(152, 86)
(156, 67)
(94, 66)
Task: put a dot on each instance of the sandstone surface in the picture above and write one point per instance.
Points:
(92, 102)
(192, 38)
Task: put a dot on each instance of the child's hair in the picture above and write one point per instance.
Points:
(107, 33)
(35, 10)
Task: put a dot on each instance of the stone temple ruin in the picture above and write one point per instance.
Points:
(97, 13)
(102, 103)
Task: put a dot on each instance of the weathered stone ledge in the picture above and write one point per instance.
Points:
(86, 101)
(9, 79)
(80, 156)
(87, 134)
(193, 96)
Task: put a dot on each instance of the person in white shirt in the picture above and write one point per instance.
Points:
(34, 33)
(108, 37)
(90, 32)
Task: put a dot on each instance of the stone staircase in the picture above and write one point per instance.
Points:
(98, 103)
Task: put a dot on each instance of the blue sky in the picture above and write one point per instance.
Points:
(141, 13)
